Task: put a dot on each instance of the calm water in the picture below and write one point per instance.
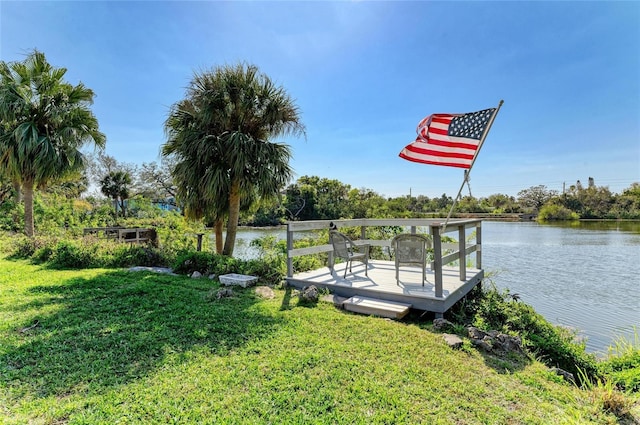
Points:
(586, 277)
(583, 277)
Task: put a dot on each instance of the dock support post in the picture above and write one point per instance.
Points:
(462, 252)
(289, 248)
(479, 245)
(437, 258)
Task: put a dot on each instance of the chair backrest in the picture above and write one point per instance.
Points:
(341, 244)
(410, 248)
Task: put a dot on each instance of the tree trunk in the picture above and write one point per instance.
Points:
(18, 189)
(115, 210)
(29, 228)
(123, 208)
(234, 216)
(218, 230)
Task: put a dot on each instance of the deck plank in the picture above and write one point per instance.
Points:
(381, 283)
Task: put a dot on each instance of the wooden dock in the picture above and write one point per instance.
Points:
(449, 277)
(380, 284)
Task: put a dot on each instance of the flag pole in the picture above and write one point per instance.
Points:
(466, 172)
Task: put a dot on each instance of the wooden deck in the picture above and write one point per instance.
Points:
(381, 284)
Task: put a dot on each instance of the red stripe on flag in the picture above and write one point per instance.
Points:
(442, 153)
(444, 163)
(449, 144)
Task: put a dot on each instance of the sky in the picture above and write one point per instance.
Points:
(363, 74)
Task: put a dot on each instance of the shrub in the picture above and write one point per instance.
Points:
(38, 248)
(137, 255)
(73, 255)
(490, 309)
(187, 262)
(556, 212)
(622, 367)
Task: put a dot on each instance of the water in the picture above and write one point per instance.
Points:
(586, 277)
(583, 277)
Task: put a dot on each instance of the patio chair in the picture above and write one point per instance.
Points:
(411, 250)
(344, 248)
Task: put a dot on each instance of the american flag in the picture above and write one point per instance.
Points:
(451, 140)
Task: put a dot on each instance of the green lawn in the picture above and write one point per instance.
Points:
(118, 347)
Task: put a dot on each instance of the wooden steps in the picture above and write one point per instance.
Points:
(372, 306)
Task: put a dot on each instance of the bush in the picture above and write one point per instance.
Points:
(38, 248)
(188, 262)
(490, 309)
(556, 212)
(138, 255)
(73, 255)
(622, 367)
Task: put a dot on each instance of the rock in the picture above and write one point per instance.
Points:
(309, 294)
(265, 292)
(224, 293)
(442, 325)
(495, 342)
(334, 299)
(482, 344)
(164, 270)
(196, 275)
(453, 341)
(475, 333)
(508, 344)
(212, 276)
(568, 376)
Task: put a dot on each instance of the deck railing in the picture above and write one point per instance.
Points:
(443, 252)
(123, 234)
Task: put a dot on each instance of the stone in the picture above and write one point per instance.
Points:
(475, 333)
(452, 340)
(481, 343)
(508, 344)
(309, 294)
(196, 275)
(568, 376)
(212, 276)
(224, 293)
(164, 270)
(495, 342)
(238, 280)
(265, 292)
(334, 299)
(442, 325)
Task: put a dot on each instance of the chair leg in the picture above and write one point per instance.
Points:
(345, 269)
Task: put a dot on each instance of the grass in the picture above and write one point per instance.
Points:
(118, 347)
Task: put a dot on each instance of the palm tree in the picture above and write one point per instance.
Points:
(45, 122)
(115, 185)
(221, 136)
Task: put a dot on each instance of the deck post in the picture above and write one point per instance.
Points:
(437, 258)
(413, 230)
(479, 245)
(462, 251)
(289, 248)
(363, 232)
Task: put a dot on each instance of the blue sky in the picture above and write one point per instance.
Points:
(364, 74)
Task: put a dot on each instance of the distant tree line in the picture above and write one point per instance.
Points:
(316, 198)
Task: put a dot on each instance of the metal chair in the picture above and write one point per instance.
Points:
(411, 250)
(344, 248)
